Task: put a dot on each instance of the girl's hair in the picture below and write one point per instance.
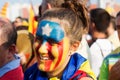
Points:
(73, 17)
(78, 6)
(80, 10)
(55, 3)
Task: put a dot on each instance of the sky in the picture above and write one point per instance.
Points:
(15, 6)
(12, 2)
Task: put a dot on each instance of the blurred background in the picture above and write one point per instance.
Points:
(14, 8)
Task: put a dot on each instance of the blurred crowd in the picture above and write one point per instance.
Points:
(70, 43)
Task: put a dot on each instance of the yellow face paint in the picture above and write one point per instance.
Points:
(53, 48)
(52, 56)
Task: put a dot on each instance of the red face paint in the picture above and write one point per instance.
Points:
(52, 48)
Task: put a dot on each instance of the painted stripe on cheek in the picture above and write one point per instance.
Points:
(48, 63)
(60, 55)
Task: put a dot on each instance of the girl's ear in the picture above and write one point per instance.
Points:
(75, 46)
(49, 6)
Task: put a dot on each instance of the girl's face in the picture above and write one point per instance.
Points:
(52, 46)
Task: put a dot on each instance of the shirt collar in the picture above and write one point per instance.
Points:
(10, 66)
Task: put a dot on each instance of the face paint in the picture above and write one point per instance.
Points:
(50, 54)
(50, 30)
(56, 54)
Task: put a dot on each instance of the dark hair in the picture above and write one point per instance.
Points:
(20, 18)
(101, 18)
(118, 14)
(112, 20)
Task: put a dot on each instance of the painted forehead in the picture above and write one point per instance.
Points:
(50, 30)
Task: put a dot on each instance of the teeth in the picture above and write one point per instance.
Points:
(44, 57)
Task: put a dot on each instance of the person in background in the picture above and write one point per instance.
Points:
(99, 23)
(10, 68)
(113, 34)
(106, 70)
(58, 36)
(101, 46)
(103, 27)
(18, 21)
(24, 42)
(117, 22)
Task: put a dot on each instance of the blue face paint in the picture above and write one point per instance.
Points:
(50, 30)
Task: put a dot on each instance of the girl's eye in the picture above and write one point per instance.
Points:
(60, 42)
(49, 40)
(52, 42)
(39, 39)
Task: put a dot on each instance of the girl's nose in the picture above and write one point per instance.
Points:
(43, 48)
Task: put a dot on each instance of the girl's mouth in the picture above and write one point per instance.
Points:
(44, 57)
